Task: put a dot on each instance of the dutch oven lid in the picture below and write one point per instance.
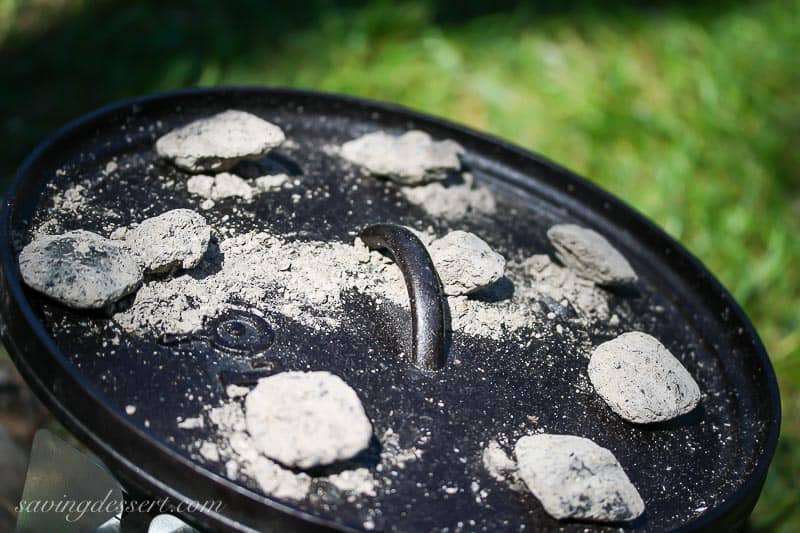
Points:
(141, 399)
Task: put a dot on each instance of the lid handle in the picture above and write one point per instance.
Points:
(424, 290)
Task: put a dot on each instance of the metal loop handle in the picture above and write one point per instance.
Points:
(424, 290)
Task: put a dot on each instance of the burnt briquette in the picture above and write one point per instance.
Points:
(217, 143)
(640, 379)
(80, 269)
(590, 255)
(465, 263)
(306, 419)
(575, 478)
(173, 240)
(410, 159)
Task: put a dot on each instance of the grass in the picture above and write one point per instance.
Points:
(690, 114)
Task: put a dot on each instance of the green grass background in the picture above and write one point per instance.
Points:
(691, 114)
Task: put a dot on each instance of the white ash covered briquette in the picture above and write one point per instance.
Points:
(641, 380)
(172, 240)
(408, 159)
(465, 263)
(575, 478)
(306, 419)
(80, 269)
(590, 255)
(217, 143)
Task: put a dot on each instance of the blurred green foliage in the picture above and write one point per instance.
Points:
(691, 114)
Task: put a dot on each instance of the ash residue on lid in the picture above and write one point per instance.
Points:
(228, 185)
(454, 198)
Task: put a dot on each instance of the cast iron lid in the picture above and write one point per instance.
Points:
(703, 469)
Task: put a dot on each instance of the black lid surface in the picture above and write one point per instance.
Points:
(705, 468)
